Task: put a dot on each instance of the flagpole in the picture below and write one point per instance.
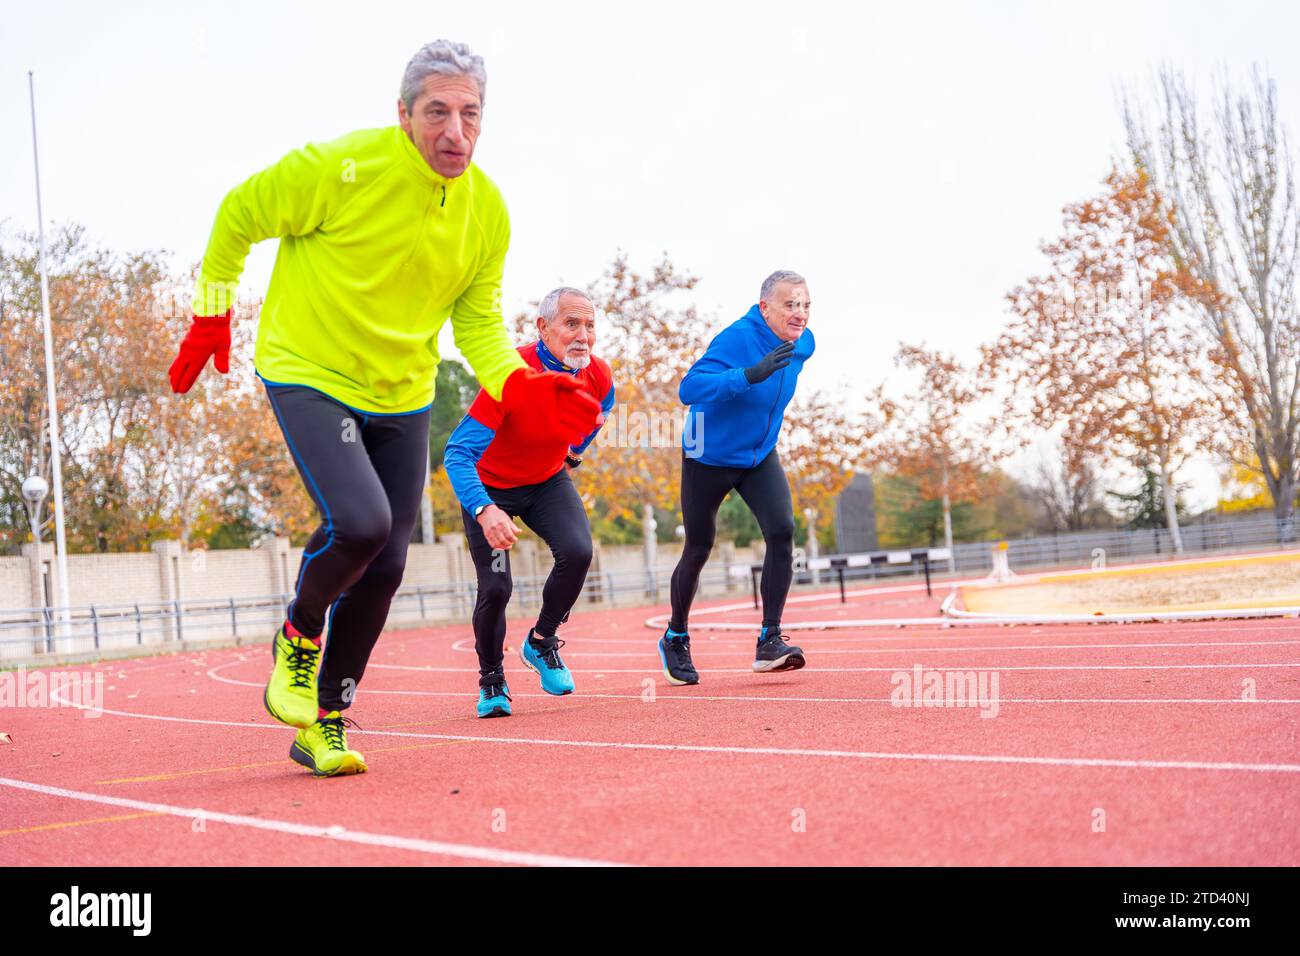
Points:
(56, 460)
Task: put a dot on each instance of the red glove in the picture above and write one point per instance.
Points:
(551, 401)
(208, 337)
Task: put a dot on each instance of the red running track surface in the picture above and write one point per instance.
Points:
(1109, 745)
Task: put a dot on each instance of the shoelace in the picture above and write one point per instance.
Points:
(301, 662)
(332, 728)
(496, 690)
(552, 656)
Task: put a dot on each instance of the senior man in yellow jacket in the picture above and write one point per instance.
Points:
(385, 234)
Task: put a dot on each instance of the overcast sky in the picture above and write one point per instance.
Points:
(907, 158)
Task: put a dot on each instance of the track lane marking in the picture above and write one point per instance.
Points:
(385, 840)
(1131, 763)
(77, 823)
(948, 650)
(679, 694)
(838, 670)
(253, 766)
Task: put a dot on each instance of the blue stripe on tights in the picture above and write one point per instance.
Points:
(329, 518)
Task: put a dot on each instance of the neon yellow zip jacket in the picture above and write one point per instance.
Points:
(377, 251)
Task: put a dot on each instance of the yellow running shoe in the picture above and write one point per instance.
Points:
(291, 692)
(323, 748)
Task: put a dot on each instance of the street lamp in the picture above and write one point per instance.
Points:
(56, 463)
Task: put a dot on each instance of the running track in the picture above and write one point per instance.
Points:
(1144, 723)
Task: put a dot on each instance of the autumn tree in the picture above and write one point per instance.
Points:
(454, 391)
(1099, 344)
(1233, 232)
(102, 330)
(933, 442)
(999, 507)
(828, 436)
(139, 463)
(649, 333)
(1243, 489)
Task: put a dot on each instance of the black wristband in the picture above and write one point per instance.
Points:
(571, 461)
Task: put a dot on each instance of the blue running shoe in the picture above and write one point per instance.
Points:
(556, 678)
(494, 700)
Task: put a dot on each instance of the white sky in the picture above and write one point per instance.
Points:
(907, 158)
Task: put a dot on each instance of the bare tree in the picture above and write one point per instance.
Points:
(1099, 343)
(1067, 486)
(934, 439)
(1234, 232)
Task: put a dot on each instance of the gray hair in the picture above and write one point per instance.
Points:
(448, 58)
(779, 276)
(551, 304)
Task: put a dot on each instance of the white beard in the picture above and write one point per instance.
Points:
(574, 361)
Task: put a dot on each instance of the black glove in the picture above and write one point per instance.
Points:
(778, 358)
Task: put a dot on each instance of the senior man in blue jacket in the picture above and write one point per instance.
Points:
(737, 393)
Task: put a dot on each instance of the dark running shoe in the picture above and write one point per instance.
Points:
(675, 652)
(774, 654)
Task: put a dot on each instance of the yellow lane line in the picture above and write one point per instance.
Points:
(78, 823)
(266, 763)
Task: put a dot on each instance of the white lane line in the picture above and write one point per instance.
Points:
(214, 674)
(1141, 764)
(941, 630)
(660, 621)
(861, 670)
(828, 595)
(585, 642)
(685, 695)
(945, 650)
(388, 841)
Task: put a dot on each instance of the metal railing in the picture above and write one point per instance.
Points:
(1069, 549)
(1081, 548)
(34, 633)
(37, 633)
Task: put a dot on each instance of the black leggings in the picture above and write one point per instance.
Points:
(366, 475)
(765, 489)
(553, 509)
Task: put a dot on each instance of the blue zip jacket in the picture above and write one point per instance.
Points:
(731, 423)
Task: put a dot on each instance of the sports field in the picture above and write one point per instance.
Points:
(1213, 584)
(1153, 744)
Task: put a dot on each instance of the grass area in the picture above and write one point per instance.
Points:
(1254, 582)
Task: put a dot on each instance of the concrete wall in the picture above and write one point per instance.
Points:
(133, 596)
